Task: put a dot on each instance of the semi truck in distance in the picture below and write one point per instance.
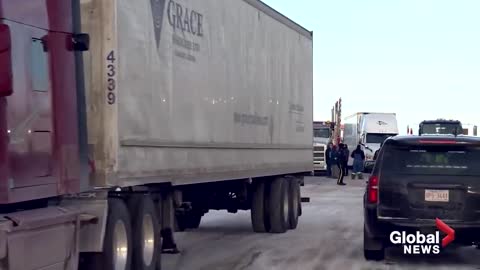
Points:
(121, 120)
(322, 136)
(440, 126)
(469, 129)
(370, 130)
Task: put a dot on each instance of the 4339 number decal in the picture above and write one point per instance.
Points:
(111, 82)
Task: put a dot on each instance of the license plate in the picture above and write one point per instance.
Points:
(436, 195)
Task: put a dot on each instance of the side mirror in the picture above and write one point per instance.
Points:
(6, 75)
(81, 42)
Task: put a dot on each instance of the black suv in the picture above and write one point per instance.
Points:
(417, 179)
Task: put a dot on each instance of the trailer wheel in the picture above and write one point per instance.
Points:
(299, 203)
(257, 211)
(117, 243)
(278, 205)
(188, 220)
(146, 233)
(294, 201)
(300, 209)
(194, 220)
(180, 224)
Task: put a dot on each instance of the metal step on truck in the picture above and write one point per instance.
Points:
(122, 120)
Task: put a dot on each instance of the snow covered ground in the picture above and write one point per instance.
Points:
(329, 236)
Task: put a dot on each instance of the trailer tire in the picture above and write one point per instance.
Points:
(179, 223)
(118, 223)
(299, 203)
(257, 211)
(194, 220)
(300, 209)
(145, 228)
(294, 201)
(278, 205)
(188, 220)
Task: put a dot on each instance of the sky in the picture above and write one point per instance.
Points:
(417, 58)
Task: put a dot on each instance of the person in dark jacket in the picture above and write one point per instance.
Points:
(329, 159)
(358, 160)
(345, 155)
(341, 157)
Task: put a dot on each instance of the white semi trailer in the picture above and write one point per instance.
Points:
(369, 130)
(189, 106)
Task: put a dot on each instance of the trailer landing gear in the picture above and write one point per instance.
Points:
(167, 205)
(168, 244)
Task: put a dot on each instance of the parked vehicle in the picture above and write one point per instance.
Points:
(322, 136)
(469, 130)
(369, 130)
(417, 179)
(440, 126)
(165, 116)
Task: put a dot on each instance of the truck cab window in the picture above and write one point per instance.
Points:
(377, 137)
(39, 66)
(322, 133)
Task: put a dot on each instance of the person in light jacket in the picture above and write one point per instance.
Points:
(358, 160)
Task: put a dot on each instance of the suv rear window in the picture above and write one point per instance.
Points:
(432, 160)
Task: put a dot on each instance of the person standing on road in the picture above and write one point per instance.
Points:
(329, 159)
(341, 163)
(345, 155)
(334, 159)
(358, 159)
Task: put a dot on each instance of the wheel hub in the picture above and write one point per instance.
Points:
(148, 239)
(286, 202)
(120, 245)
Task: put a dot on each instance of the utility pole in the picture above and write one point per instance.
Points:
(337, 119)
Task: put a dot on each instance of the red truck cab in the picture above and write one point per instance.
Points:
(39, 109)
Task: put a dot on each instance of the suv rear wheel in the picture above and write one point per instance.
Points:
(373, 248)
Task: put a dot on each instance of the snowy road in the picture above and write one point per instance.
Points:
(329, 236)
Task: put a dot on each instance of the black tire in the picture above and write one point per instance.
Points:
(257, 211)
(188, 220)
(299, 203)
(143, 210)
(374, 255)
(278, 206)
(117, 214)
(369, 253)
(180, 223)
(193, 220)
(300, 208)
(294, 200)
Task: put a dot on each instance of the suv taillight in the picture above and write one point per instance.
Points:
(372, 189)
(6, 78)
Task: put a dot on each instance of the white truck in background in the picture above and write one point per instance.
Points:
(322, 135)
(369, 130)
(469, 130)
